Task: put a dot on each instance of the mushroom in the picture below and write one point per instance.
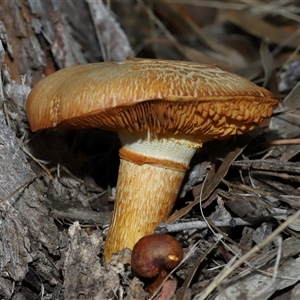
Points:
(155, 253)
(163, 111)
(153, 257)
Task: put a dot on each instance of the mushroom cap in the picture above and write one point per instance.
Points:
(149, 95)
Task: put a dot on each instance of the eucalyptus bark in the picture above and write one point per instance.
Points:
(37, 38)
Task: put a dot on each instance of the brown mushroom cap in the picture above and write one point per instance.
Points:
(155, 252)
(142, 94)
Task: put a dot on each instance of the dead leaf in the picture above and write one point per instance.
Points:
(242, 142)
(168, 290)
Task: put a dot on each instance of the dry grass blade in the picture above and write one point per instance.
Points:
(285, 142)
(268, 164)
(217, 4)
(37, 161)
(279, 175)
(267, 63)
(189, 279)
(286, 8)
(176, 227)
(157, 21)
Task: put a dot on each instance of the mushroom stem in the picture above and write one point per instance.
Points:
(146, 190)
(145, 197)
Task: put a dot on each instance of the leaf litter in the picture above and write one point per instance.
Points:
(238, 213)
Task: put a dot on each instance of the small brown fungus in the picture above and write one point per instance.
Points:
(155, 253)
